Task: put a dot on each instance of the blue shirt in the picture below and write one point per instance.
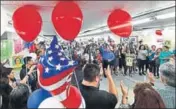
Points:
(107, 55)
(164, 56)
(152, 55)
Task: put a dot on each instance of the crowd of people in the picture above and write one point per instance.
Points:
(97, 59)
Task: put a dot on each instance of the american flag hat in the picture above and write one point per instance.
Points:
(55, 71)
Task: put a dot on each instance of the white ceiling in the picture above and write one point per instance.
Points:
(95, 12)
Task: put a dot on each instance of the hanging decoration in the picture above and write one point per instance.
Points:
(67, 21)
(159, 32)
(54, 75)
(119, 22)
(27, 22)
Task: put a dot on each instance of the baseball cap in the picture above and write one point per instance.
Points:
(31, 55)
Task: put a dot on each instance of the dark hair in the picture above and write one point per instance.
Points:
(5, 92)
(5, 71)
(38, 52)
(141, 47)
(42, 45)
(18, 97)
(91, 71)
(16, 59)
(147, 97)
(27, 59)
(153, 46)
(157, 50)
(166, 47)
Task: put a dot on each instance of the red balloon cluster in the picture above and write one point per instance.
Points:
(67, 19)
(159, 32)
(119, 22)
(27, 22)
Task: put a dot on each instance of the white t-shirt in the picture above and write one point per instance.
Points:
(142, 54)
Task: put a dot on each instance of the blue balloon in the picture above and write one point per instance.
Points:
(37, 97)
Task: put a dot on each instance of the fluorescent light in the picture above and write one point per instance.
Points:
(137, 22)
(92, 32)
(165, 16)
(141, 21)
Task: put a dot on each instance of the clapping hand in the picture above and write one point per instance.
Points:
(123, 89)
(150, 77)
(108, 71)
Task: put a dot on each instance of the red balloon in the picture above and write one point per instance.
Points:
(74, 98)
(119, 22)
(159, 32)
(27, 22)
(67, 19)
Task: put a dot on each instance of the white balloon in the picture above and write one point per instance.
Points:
(51, 102)
(83, 104)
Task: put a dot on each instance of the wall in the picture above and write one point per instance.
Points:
(148, 36)
(4, 20)
(97, 36)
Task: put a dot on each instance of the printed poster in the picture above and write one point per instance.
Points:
(6, 49)
(17, 61)
(18, 46)
(167, 43)
(129, 61)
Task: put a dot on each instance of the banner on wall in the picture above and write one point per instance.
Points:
(133, 39)
(6, 49)
(17, 61)
(167, 43)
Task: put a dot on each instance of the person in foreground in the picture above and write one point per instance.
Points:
(18, 97)
(145, 97)
(167, 88)
(95, 98)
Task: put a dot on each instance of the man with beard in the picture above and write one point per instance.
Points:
(95, 98)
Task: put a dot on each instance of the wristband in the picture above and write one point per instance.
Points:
(126, 97)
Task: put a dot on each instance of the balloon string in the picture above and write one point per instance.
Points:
(76, 77)
(74, 71)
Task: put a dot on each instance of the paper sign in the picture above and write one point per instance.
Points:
(129, 61)
(17, 61)
(167, 43)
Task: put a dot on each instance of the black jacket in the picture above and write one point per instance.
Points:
(32, 78)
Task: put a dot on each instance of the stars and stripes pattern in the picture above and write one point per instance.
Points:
(55, 69)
